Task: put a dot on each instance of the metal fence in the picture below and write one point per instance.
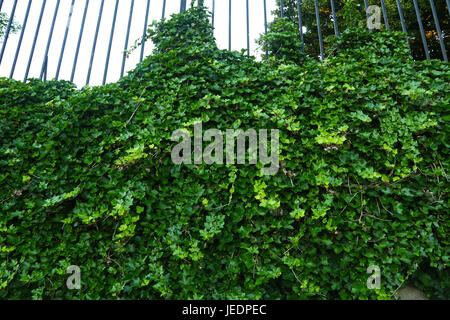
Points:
(50, 36)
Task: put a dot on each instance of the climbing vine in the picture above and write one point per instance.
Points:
(86, 176)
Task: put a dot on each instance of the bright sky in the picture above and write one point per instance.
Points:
(239, 34)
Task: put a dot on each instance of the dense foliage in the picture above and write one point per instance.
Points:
(349, 11)
(86, 176)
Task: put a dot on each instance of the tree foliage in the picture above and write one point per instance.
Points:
(4, 20)
(351, 12)
(86, 176)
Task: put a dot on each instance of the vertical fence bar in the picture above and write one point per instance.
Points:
(63, 48)
(319, 31)
(182, 6)
(45, 67)
(385, 16)
(127, 38)
(300, 24)
(36, 34)
(80, 37)
(265, 25)
(24, 25)
(111, 37)
(333, 10)
(282, 8)
(422, 33)
(213, 12)
(248, 30)
(163, 10)
(8, 29)
(229, 25)
(1, 4)
(366, 6)
(448, 6)
(438, 30)
(94, 45)
(50, 37)
(402, 20)
(144, 34)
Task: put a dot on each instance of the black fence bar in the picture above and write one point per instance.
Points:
(265, 25)
(385, 16)
(229, 25)
(213, 12)
(24, 26)
(182, 5)
(402, 19)
(448, 6)
(1, 4)
(66, 33)
(111, 37)
(248, 30)
(144, 34)
(282, 8)
(438, 30)
(300, 23)
(333, 11)
(45, 67)
(163, 15)
(122, 71)
(94, 45)
(422, 33)
(80, 37)
(319, 31)
(366, 6)
(49, 39)
(36, 34)
(8, 30)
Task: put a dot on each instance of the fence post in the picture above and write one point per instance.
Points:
(438, 30)
(402, 20)
(319, 31)
(124, 57)
(80, 37)
(183, 5)
(422, 33)
(333, 11)
(63, 48)
(229, 25)
(213, 12)
(8, 29)
(300, 24)
(25, 21)
(385, 16)
(94, 45)
(144, 34)
(265, 25)
(111, 37)
(248, 30)
(36, 34)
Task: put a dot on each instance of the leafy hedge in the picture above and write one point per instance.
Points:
(86, 176)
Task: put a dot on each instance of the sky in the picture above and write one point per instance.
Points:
(239, 34)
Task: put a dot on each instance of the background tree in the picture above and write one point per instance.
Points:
(4, 20)
(350, 12)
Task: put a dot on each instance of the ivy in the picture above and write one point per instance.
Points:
(86, 176)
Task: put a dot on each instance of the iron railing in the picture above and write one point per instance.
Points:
(11, 53)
